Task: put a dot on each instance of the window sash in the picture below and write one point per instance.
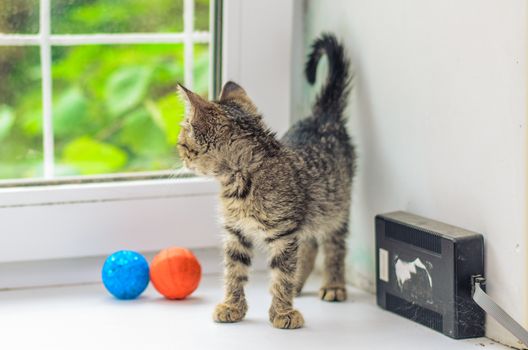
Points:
(66, 221)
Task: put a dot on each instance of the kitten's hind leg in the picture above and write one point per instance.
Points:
(238, 251)
(283, 262)
(307, 254)
(334, 246)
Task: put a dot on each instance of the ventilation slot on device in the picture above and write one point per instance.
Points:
(414, 312)
(413, 236)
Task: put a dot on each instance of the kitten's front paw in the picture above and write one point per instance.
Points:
(333, 293)
(228, 313)
(291, 319)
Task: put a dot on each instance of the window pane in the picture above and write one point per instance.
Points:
(201, 70)
(201, 14)
(115, 108)
(20, 113)
(19, 16)
(116, 16)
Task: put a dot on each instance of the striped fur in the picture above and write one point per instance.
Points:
(290, 196)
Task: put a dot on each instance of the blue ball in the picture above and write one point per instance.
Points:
(125, 274)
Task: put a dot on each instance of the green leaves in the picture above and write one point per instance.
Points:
(125, 98)
(126, 87)
(7, 120)
(89, 156)
(141, 135)
(114, 106)
(171, 109)
(123, 16)
(69, 113)
(201, 69)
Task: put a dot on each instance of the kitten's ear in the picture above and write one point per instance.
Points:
(233, 91)
(192, 101)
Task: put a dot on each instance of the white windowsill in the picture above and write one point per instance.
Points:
(86, 317)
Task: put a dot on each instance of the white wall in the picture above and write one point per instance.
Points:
(439, 117)
(258, 54)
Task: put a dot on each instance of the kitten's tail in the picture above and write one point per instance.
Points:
(331, 101)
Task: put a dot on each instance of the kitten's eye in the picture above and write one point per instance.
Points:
(190, 152)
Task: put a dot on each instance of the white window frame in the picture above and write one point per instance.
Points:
(69, 219)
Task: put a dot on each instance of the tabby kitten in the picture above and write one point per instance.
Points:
(289, 195)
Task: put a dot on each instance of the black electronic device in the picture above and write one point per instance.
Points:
(425, 270)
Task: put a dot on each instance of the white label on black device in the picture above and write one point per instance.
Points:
(383, 265)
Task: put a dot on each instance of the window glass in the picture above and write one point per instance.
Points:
(116, 16)
(115, 107)
(19, 16)
(20, 112)
(201, 71)
(201, 15)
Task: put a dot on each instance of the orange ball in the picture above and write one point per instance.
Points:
(175, 272)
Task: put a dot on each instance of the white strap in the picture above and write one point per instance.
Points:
(486, 303)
